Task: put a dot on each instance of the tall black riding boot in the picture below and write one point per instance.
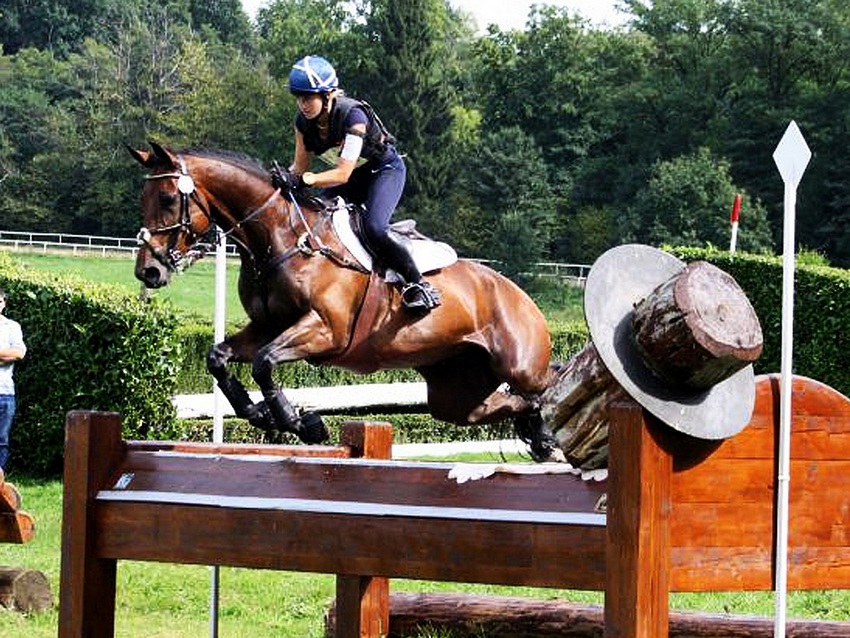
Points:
(416, 295)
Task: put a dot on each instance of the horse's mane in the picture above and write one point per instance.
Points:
(240, 160)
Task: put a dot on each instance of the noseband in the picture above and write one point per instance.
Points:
(173, 259)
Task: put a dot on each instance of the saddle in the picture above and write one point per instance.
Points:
(428, 254)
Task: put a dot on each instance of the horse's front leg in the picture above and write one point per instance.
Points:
(257, 414)
(309, 337)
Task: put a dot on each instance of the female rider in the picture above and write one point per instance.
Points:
(367, 168)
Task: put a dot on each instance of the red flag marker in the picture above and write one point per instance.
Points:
(736, 211)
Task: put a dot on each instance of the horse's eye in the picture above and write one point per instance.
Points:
(166, 200)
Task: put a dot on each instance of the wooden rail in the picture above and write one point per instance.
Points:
(681, 516)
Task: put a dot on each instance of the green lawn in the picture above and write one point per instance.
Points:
(192, 290)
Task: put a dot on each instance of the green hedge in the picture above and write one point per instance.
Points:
(821, 312)
(90, 347)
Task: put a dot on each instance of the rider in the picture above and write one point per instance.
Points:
(367, 168)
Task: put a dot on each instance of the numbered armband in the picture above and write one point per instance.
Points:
(352, 145)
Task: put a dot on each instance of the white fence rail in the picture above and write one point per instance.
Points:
(79, 244)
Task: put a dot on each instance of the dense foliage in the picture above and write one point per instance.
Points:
(553, 142)
(89, 347)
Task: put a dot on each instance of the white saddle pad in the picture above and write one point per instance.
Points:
(428, 255)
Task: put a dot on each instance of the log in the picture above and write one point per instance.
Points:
(16, 527)
(469, 616)
(24, 590)
(698, 328)
(694, 330)
(577, 381)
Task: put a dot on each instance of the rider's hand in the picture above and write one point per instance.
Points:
(284, 179)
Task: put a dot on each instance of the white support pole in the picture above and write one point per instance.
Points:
(218, 398)
(791, 156)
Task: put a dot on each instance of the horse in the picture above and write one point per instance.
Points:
(484, 353)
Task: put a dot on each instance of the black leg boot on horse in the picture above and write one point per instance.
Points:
(417, 295)
(307, 426)
(257, 414)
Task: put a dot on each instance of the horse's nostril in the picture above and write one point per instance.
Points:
(152, 278)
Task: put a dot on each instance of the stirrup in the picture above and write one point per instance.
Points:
(420, 296)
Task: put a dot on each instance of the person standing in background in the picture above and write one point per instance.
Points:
(12, 348)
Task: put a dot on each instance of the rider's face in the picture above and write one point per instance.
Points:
(310, 104)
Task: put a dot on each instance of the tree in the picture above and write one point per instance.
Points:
(507, 180)
(408, 87)
(687, 203)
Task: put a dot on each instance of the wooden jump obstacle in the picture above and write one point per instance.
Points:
(682, 515)
(16, 525)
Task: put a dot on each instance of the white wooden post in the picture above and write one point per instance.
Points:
(218, 400)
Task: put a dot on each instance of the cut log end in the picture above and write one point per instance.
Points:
(24, 590)
(721, 317)
(698, 328)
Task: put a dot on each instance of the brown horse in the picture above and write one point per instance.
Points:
(484, 353)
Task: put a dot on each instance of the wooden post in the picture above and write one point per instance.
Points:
(363, 602)
(92, 447)
(638, 527)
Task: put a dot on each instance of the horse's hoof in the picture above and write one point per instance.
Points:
(312, 429)
(544, 448)
(547, 454)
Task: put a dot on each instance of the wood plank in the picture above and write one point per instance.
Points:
(434, 549)
(16, 527)
(93, 448)
(723, 523)
(638, 530)
(425, 484)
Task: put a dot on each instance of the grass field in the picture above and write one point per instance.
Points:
(192, 290)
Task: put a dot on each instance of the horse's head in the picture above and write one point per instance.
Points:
(174, 215)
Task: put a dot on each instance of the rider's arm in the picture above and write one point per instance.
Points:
(345, 164)
(301, 163)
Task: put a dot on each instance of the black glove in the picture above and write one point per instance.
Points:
(284, 179)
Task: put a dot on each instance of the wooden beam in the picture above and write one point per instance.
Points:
(638, 539)
(92, 450)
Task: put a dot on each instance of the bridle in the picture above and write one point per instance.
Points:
(172, 258)
(308, 242)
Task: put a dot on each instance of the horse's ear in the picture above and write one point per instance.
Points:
(163, 154)
(142, 157)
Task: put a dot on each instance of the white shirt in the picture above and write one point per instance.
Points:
(11, 336)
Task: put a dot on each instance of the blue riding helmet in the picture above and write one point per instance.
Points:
(312, 74)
